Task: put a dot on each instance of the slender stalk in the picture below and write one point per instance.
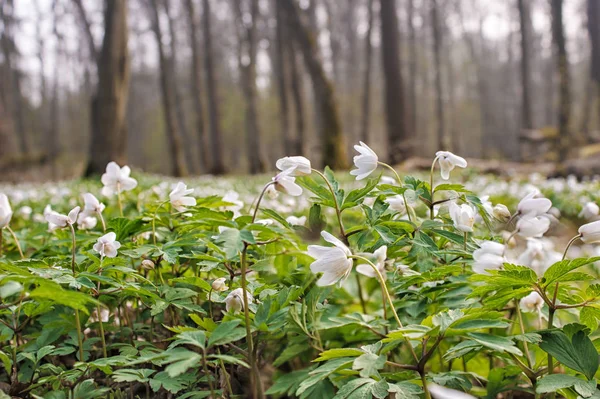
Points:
(154, 220)
(431, 187)
(466, 237)
(251, 360)
(208, 375)
(225, 375)
(577, 237)
(73, 248)
(260, 197)
(337, 207)
(79, 335)
(360, 294)
(1, 241)
(102, 220)
(522, 327)
(119, 200)
(210, 312)
(101, 325)
(16, 241)
(401, 185)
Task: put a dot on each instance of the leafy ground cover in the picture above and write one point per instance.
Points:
(379, 287)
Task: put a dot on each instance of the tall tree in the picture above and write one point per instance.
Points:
(562, 67)
(437, 69)
(395, 107)
(366, 96)
(179, 165)
(525, 23)
(196, 87)
(109, 101)
(247, 43)
(593, 25)
(297, 96)
(332, 140)
(412, 68)
(218, 166)
(280, 58)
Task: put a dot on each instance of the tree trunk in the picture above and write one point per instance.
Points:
(562, 65)
(395, 111)
(412, 69)
(192, 161)
(297, 97)
(334, 151)
(366, 96)
(109, 103)
(281, 75)
(247, 40)
(196, 87)
(218, 167)
(437, 70)
(179, 165)
(593, 14)
(525, 21)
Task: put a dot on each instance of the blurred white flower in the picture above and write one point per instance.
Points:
(301, 165)
(441, 392)
(534, 205)
(463, 216)
(501, 213)
(107, 245)
(117, 179)
(448, 161)
(235, 302)
(92, 205)
(533, 227)
(232, 197)
(60, 220)
(265, 222)
(380, 256)
(365, 163)
(25, 212)
(532, 302)
(286, 183)
(296, 221)
(396, 203)
(147, 264)
(590, 211)
(271, 192)
(489, 256)
(590, 232)
(219, 284)
(85, 222)
(334, 262)
(5, 211)
(179, 197)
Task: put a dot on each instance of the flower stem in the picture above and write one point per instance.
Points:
(16, 241)
(337, 207)
(401, 185)
(360, 294)
(431, 187)
(101, 325)
(73, 248)
(569, 245)
(102, 220)
(208, 375)
(260, 197)
(1, 242)
(522, 327)
(154, 220)
(79, 335)
(249, 341)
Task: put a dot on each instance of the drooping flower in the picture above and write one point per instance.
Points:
(333, 262)
(107, 245)
(366, 162)
(147, 264)
(117, 179)
(219, 284)
(534, 205)
(501, 213)
(590, 211)
(92, 204)
(5, 211)
(533, 226)
(380, 256)
(463, 216)
(179, 197)
(590, 232)
(300, 164)
(448, 161)
(532, 302)
(85, 222)
(235, 302)
(489, 256)
(60, 220)
(396, 203)
(271, 192)
(285, 182)
(296, 221)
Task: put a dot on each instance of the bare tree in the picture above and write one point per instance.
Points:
(395, 107)
(525, 22)
(333, 148)
(437, 45)
(281, 75)
(412, 67)
(593, 25)
(196, 87)
(109, 101)
(297, 97)
(366, 96)
(562, 67)
(218, 167)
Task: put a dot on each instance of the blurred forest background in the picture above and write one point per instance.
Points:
(215, 86)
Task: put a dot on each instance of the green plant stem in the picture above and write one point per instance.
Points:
(154, 220)
(466, 237)
(79, 335)
(258, 201)
(210, 311)
(1, 241)
(101, 325)
(251, 359)
(119, 200)
(208, 375)
(16, 241)
(360, 294)
(577, 237)
(385, 165)
(102, 221)
(73, 248)
(335, 203)
(431, 187)
(225, 375)
(522, 328)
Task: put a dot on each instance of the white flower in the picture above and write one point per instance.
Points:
(539, 255)
(532, 205)
(301, 165)
(285, 182)
(5, 211)
(501, 213)
(234, 301)
(589, 211)
(334, 262)
(265, 222)
(179, 199)
(271, 192)
(147, 264)
(365, 163)
(25, 212)
(590, 232)
(116, 179)
(396, 203)
(85, 222)
(60, 220)
(440, 392)
(107, 245)
(233, 198)
(449, 161)
(219, 284)
(380, 257)
(92, 205)
(296, 221)
(533, 227)
(463, 217)
(489, 256)
(532, 303)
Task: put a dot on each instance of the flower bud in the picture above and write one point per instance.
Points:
(590, 233)
(501, 213)
(219, 284)
(147, 264)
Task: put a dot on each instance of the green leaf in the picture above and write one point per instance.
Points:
(195, 338)
(554, 382)
(338, 352)
(590, 316)
(231, 243)
(132, 375)
(56, 294)
(559, 269)
(368, 364)
(230, 360)
(496, 342)
(322, 372)
(578, 354)
(358, 194)
(226, 332)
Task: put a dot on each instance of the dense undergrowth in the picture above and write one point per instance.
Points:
(412, 293)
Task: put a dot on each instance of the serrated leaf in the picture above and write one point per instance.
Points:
(578, 353)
